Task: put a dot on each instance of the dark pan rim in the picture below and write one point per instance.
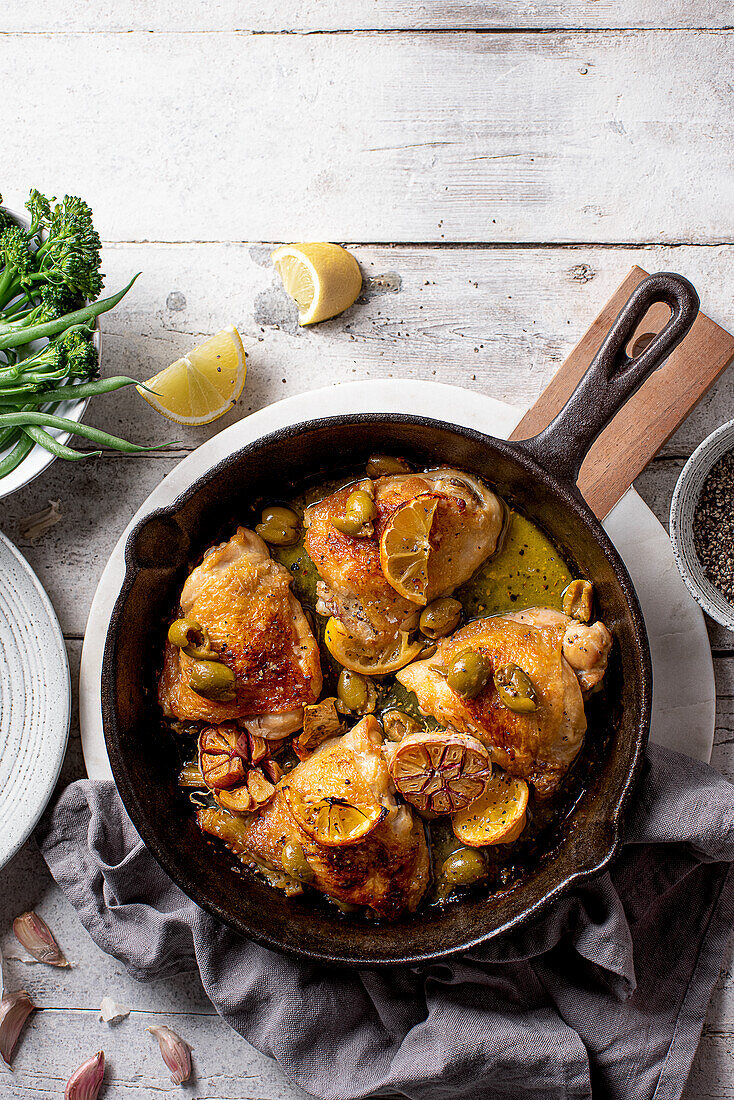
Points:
(595, 862)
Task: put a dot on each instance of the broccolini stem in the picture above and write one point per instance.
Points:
(11, 339)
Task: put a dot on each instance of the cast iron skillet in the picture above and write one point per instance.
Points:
(538, 475)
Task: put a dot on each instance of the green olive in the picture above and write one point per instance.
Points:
(578, 599)
(440, 618)
(279, 526)
(360, 510)
(463, 867)
(468, 674)
(397, 724)
(352, 689)
(361, 505)
(349, 525)
(192, 638)
(379, 465)
(295, 863)
(515, 689)
(212, 680)
(344, 906)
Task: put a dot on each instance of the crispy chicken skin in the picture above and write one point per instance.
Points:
(243, 599)
(585, 646)
(388, 870)
(466, 528)
(538, 746)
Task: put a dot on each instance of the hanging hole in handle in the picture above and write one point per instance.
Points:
(651, 325)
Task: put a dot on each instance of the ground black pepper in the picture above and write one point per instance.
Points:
(713, 526)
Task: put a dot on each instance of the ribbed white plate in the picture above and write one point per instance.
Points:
(684, 696)
(35, 700)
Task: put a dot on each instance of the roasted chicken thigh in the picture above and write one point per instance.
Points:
(257, 627)
(387, 869)
(466, 528)
(539, 745)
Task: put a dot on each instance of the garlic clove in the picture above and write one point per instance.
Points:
(175, 1051)
(85, 1082)
(439, 772)
(15, 1008)
(110, 1012)
(272, 770)
(260, 788)
(36, 936)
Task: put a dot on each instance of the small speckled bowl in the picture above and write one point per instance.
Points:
(682, 509)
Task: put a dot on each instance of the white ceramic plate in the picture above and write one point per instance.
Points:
(35, 700)
(684, 703)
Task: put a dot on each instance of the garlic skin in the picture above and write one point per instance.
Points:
(15, 1008)
(35, 935)
(85, 1082)
(175, 1051)
(33, 527)
(110, 1011)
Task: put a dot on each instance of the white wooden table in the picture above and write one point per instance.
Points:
(496, 168)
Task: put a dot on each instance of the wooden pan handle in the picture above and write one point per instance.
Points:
(650, 417)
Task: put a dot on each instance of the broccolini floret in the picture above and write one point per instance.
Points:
(50, 286)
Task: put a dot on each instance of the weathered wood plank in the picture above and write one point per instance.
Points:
(465, 137)
(499, 321)
(712, 1074)
(98, 500)
(225, 1067)
(335, 15)
(496, 320)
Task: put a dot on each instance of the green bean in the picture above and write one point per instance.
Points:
(20, 336)
(68, 393)
(24, 445)
(104, 439)
(38, 435)
(8, 436)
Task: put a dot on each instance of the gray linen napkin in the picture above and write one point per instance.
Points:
(605, 995)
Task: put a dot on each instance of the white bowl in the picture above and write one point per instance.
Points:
(37, 460)
(682, 509)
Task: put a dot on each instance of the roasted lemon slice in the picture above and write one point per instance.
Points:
(332, 821)
(498, 816)
(405, 546)
(440, 772)
(323, 279)
(202, 386)
(346, 650)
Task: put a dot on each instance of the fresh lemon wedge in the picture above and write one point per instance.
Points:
(202, 386)
(346, 650)
(498, 816)
(323, 279)
(405, 546)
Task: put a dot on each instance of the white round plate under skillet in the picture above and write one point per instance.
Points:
(684, 697)
(35, 700)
